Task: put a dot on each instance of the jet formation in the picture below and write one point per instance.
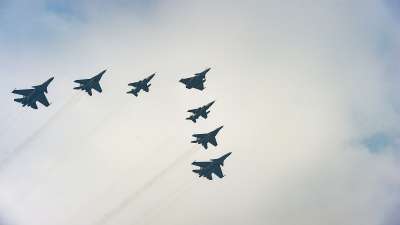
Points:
(200, 112)
(206, 138)
(30, 97)
(91, 83)
(141, 85)
(207, 169)
(34, 95)
(196, 81)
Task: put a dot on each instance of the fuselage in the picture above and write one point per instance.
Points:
(37, 91)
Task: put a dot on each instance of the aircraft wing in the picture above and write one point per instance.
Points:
(42, 99)
(198, 135)
(201, 164)
(134, 84)
(23, 92)
(33, 105)
(199, 86)
(204, 115)
(97, 87)
(193, 111)
(218, 172)
(208, 175)
(83, 81)
(213, 141)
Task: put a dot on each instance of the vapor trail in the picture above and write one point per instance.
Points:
(155, 212)
(9, 117)
(135, 195)
(82, 139)
(17, 150)
(105, 192)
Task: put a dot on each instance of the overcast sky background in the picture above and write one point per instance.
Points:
(307, 92)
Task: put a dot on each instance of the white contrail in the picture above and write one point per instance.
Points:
(8, 127)
(82, 139)
(154, 151)
(135, 195)
(172, 198)
(17, 150)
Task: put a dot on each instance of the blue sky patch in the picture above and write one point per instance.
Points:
(378, 142)
(64, 9)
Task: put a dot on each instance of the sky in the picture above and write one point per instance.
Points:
(307, 92)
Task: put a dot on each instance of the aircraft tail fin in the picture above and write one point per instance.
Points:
(89, 91)
(213, 141)
(134, 92)
(20, 100)
(33, 105)
(192, 119)
(146, 88)
(205, 114)
(186, 82)
(197, 171)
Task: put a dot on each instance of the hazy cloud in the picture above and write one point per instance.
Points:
(303, 89)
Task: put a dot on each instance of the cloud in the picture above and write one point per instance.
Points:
(299, 87)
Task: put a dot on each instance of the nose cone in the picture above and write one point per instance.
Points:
(226, 155)
(101, 73)
(218, 129)
(210, 104)
(46, 84)
(151, 76)
(206, 71)
(222, 158)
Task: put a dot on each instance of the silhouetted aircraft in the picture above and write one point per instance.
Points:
(141, 85)
(89, 84)
(201, 111)
(197, 81)
(212, 167)
(206, 138)
(31, 96)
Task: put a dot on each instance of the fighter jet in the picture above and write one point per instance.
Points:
(197, 81)
(141, 85)
(201, 111)
(31, 96)
(212, 167)
(206, 138)
(89, 84)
